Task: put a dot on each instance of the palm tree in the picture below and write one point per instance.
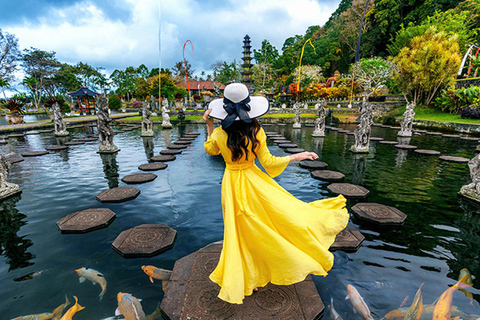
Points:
(4, 85)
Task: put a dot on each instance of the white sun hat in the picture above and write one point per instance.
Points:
(238, 105)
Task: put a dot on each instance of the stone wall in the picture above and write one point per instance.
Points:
(447, 126)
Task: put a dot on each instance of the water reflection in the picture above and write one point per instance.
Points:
(401, 157)
(148, 145)
(12, 246)
(110, 168)
(167, 133)
(404, 140)
(359, 168)
(318, 145)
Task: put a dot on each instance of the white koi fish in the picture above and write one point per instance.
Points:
(130, 307)
(358, 303)
(333, 313)
(95, 277)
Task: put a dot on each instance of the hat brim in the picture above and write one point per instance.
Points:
(258, 107)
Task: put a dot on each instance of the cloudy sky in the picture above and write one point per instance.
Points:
(114, 34)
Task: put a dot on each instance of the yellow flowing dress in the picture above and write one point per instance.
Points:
(269, 235)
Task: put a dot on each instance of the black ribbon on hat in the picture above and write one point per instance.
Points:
(235, 110)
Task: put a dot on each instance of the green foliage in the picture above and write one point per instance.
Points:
(225, 72)
(428, 64)
(114, 103)
(9, 55)
(454, 100)
(372, 73)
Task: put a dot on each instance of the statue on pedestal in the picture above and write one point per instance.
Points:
(296, 109)
(472, 190)
(407, 122)
(363, 130)
(320, 121)
(59, 123)
(7, 189)
(146, 122)
(165, 116)
(105, 132)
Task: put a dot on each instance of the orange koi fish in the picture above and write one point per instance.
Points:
(56, 314)
(416, 309)
(443, 307)
(74, 309)
(157, 273)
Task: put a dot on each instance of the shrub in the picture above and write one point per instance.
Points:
(471, 112)
(454, 100)
(114, 103)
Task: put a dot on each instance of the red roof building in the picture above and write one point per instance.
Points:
(197, 86)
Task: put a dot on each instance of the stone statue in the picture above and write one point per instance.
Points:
(60, 126)
(472, 190)
(7, 189)
(320, 121)
(165, 116)
(284, 106)
(407, 122)
(105, 132)
(363, 130)
(217, 90)
(296, 109)
(146, 122)
(305, 105)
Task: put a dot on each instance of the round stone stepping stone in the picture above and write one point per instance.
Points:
(46, 131)
(74, 143)
(420, 131)
(17, 135)
(34, 153)
(294, 150)
(186, 139)
(138, 178)
(56, 148)
(451, 135)
(281, 124)
(327, 175)
(182, 142)
(348, 190)
(190, 294)
(388, 142)
(288, 145)
(433, 133)
(334, 129)
(31, 132)
(395, 128)
(88, 139)
(163, 158)
(189, 136)
(86, 220)
(375, 139)
(313, 164)
(176, 146)
(270, 132)
(405, 146)
(454, 159)
(170, 152)
(349, 239)
(427, 152)
(13, 160)
(379, 213)
(119, 194)
(146, 240)
(153, 166)
(192, 134)
(470, 138)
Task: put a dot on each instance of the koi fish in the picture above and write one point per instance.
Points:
(130, 307)
(416, 308)
(358, 303)
(333, 313)
(155, 315)
(74, 309)
(94, 276)
(56, 314)
(157, 273)
(443, 307)
(399, 314)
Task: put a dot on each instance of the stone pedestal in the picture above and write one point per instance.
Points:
(470, 192)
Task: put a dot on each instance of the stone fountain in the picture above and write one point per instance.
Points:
(363, 130)
(320, 121)
(472, 190)
(407, 122)
(165, 116)
(105, 132)
(7, 189)
(60, 126)
(147, 124)
(296, 109)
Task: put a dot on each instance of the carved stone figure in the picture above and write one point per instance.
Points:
(60, 126)
(165, 116)
(146, 122)
(305, 105)
(217, 90)
(320, 121)
(7, 189)
(363, 130)
(472, 190)
(284, 106)
(105, 132)
(296, 109)
(407, 122)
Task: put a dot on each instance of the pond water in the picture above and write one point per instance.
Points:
(440, 236)
(26, 118)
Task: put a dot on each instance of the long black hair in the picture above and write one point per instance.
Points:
(240, 136)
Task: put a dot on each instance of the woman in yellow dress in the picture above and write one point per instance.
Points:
(269, 235)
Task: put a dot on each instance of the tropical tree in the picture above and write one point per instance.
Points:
(266, 59)
(429, 63)
(178, 71)
(224, 72)
(4, 85)
(9, 56)
(373, 73)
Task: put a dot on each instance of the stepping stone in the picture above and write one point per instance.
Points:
(405, 146)
(348, 190)
(170, 151)
(76, 126)
(288, 145)
(182, 142)
(395, 128)
(433, 133)
(271, 132)
(334, 129)
(189, 136)
(191, 295)
(177, 146)
(86, 220)
(375, 139)
(186, 139)
(281, 124)
(451, 135)
(327, 175)
(31, 132)
(349, 239)
(74, 143)
(454, 159)
(154, 166)
(470, 138)
(309, 125)
(294, 150)
(192, 134)
(420, 131)
(13, 160)
(56, 148)
(119, 194)
(46, 131)
(34, 153)
(388, 142)
(427, 152)
(350, 133)
(138, 178)
(313, 164)
(88, 139)
(282, 140)
(19, 135)
(163, 158)
(379, 213)
(146, 240)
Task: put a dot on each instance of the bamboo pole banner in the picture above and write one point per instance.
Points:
(185, 67)
(301, 57)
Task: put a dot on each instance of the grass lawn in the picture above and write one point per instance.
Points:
(433, 114)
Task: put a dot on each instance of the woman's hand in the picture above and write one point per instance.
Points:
(208, 121)
(303, 156)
